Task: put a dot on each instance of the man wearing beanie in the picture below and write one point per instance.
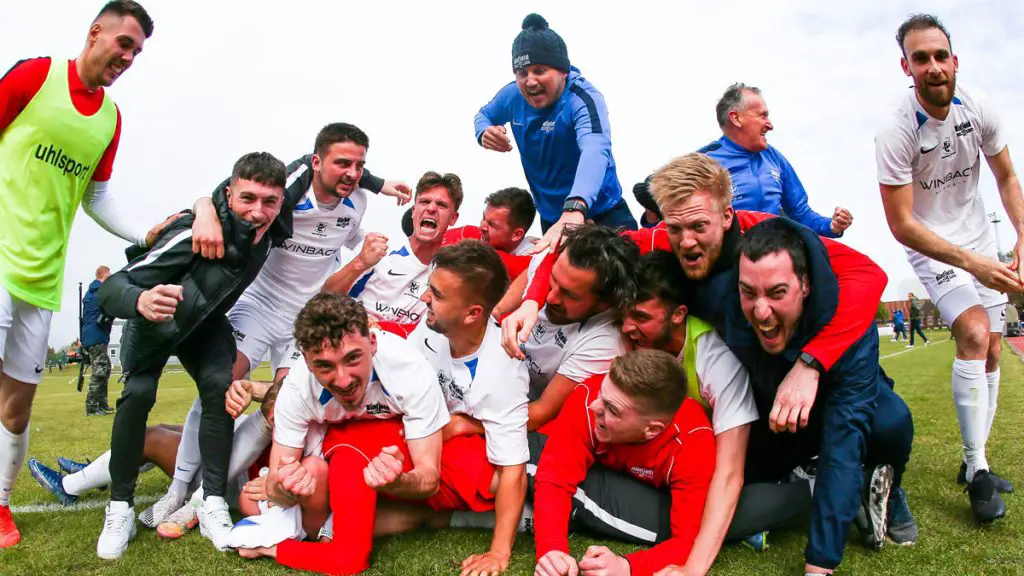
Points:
(560, 123)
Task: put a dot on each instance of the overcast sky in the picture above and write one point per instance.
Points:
(219, 79)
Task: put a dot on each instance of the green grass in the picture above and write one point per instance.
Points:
(64, 541)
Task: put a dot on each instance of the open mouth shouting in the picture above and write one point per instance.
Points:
(770, 333)
(427, 228)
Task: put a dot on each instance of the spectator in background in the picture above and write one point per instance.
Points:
(762, 179)
(915, 319)
(95, 337)
(899, 325)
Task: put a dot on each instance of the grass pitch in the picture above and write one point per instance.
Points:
(59, 540)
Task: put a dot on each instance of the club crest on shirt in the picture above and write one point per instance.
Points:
(449, 387)
(948, 147)
(414, 289)
(344, 222)
(561, 338)
(776, 175)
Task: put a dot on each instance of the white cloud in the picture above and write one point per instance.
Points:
(219, 79)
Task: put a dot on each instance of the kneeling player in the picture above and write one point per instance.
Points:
(640, 422)
(350, 372)
(483, 463)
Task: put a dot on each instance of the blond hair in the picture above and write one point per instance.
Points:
(674, 182)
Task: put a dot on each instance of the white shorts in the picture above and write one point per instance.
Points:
(24, 332)
(257, 331)
(954, 291)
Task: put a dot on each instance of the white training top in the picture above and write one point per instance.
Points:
(724, 383)
(577, 350)
(942, 159)
(391, 290)
(487, 385)
(402, 384)
(295, 271)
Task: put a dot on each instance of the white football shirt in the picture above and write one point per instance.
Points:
(295, 271)
(942, 158)
(391, 290)
(577, 351)
(402, 384)
(487, 385)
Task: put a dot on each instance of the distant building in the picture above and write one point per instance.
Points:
(932, 320)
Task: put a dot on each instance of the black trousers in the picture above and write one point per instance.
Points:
(613, 505)
(915, 328)
(207, 355)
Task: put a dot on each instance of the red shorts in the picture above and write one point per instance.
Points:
(466, 476)
(368, 437)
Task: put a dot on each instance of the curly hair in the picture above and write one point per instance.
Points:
(612, 258)
(326, 319)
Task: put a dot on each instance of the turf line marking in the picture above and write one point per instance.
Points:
(912, 349)
(78, 506)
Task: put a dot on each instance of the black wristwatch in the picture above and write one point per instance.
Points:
(812, 362)
(575, 205)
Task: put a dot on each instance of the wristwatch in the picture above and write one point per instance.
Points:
(575, 205)
(812, 362)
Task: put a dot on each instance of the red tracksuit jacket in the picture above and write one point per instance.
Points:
(681, 459)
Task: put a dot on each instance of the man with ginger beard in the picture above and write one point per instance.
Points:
(390, 286)
(703, 230)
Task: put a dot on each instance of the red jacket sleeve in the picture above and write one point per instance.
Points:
(650, 239)
(567, 456)
(689, 480)
(19, 86)
(861, 283)
(540, 286)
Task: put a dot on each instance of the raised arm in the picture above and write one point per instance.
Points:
(794, 202)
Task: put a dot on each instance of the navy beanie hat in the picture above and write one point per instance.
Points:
(538, 44)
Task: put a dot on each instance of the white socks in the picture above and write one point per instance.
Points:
(188, 460)
(993, 400)
(95, 475)
(252, 436)
(971, 396)
(13, 449)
